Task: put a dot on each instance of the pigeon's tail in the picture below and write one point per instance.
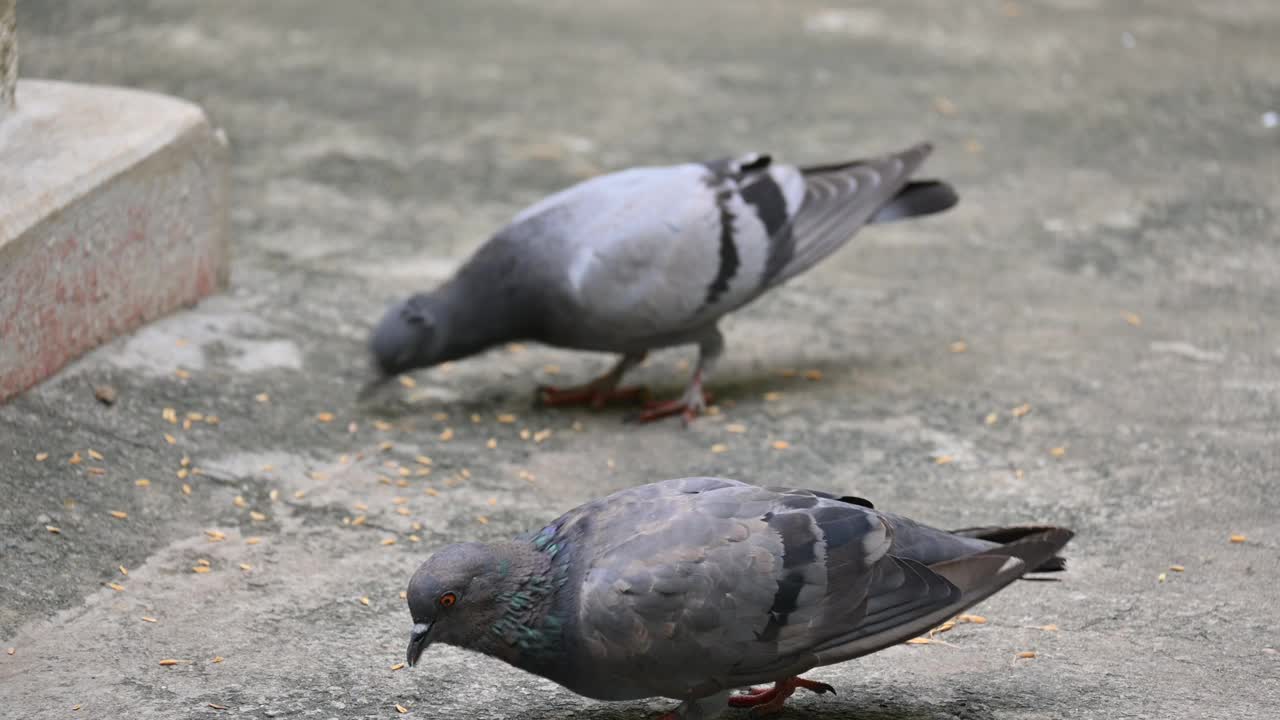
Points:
(841, 198)
(918, 197)
(1020, 533)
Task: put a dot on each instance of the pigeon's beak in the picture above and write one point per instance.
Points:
(419, 639)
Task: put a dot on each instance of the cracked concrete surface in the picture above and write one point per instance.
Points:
(1113, 264)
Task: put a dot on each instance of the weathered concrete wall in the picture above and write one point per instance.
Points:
(8, 54)
(117, 216)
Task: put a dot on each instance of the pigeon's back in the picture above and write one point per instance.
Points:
(689, 587)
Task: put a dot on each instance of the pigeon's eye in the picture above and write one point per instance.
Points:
(448, 599)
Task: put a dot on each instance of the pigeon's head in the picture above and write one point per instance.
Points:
(408, 336)
(452, 597)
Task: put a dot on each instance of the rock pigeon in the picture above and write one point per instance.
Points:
(649, 258)
(691, 588)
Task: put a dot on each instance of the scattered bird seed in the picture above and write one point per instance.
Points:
(506, 418)
(324, 417)
(1026, 655)
(401, 709)
(992, 418)
(408, 382)
(943, 460)
(41, 457)
(252, 540)
(168, 662)
(1021, 410)
(149, 619)
(95, 454)
(53, 530)
(719, 448)
(200, 569)
(1237, 539)
(75, 458)
(781, 444)
(772, 396)
(116, 586)
(958, 346)
(397, 666)
(364, 601)
(389, 541)
(170, 439)
(119, 514)
(1058, 452)
(1177, 568)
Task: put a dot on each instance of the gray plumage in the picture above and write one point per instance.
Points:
(651, 257)
(689, 588)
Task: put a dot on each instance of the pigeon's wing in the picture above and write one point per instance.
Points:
(659, 252)
(703, 584)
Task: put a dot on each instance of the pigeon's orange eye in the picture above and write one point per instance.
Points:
(448, 599)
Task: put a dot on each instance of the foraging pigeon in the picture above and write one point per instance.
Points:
(649, 258)
(691, 588)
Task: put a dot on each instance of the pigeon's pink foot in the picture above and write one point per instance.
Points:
(666, 408)
(591, 395)
(764, 701)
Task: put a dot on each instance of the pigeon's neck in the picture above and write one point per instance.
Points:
(530, 616)
(487, 305)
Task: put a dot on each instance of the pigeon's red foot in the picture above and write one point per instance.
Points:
(764, 701)
(666, 408)
(592, 395)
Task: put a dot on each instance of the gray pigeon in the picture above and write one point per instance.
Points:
(691, 588)
(649, 258)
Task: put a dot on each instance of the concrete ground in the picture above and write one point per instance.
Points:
(1113, 267)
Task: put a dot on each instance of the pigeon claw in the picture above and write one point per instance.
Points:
(766, 701)
(688, 411)
(589, 395)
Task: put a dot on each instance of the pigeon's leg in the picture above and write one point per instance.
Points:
(765, 701)
(598, 392)
(694, 400)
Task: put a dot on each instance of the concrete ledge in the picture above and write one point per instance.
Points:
(113, 211)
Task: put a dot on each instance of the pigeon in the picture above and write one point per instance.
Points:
(691, 588)
(649, 258)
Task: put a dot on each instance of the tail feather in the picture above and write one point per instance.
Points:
(919, 197)
(1016, 534)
